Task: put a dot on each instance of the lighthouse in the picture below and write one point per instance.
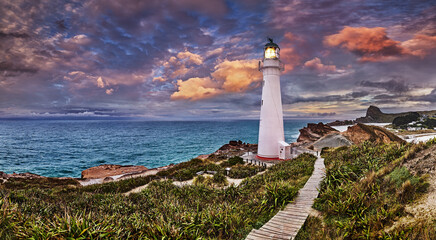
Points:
(271, 143)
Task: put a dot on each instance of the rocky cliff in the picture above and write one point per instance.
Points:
(313, 132)
(361, 132)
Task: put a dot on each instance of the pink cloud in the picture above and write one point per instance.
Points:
(317, 65)
(288, 54)
(373, 44)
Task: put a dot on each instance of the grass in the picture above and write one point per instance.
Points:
(364, 191)
(161, 211)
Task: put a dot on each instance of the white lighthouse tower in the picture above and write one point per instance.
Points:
(271, 144)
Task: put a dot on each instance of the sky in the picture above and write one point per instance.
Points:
(197, 60)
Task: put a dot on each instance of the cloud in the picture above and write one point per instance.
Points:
(431, 97)
(13, 35)
(288, 54)
(109, 91)
(179, 65)
(195, 89)
(317, 65)
(190, 58)
(100, 82)
(159, 79)
(396, 85)
(214, 52)
(371, 44)
(420, 45)
(238, 75)
(229, 76)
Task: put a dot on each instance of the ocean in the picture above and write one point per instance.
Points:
(64, 148)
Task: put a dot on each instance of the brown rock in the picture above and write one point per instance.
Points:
(361, 132)
(4, 175)
(26, 175)
(314, 131)
(108, 170)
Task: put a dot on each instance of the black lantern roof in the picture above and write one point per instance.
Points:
(271, 44)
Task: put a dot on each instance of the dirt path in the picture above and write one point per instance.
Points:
(231, 181)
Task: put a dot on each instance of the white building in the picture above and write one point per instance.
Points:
(272, 145)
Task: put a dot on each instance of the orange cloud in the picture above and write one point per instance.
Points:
(100, 82)
(159, 79)
(288, 54)
(372, 44)
(190, 58)
(229, 76)
(317, 65)
(237, 76)
(195, 89)
(420, 45)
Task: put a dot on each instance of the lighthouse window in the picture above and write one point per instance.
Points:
(270, 53)
(262, 103)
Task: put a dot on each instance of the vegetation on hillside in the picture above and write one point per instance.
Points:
(161, 211)
(365, 191)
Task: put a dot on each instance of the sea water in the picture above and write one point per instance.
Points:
(64, 148)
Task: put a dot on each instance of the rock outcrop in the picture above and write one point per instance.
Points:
(108, 170)
(236, 148)
(361, 132)
(314, 131)
(375, 115)
(331, 140)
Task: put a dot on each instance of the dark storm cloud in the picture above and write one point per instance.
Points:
(6, 67)
(13, 35)
(427, 98)
(396, 85)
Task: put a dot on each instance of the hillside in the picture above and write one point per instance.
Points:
(375, 115)
(360, 133)
(376, 191)
(206, 209)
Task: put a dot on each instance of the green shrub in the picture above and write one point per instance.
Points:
(232, 161)
(220, 179)
(199, 180)
(400, 174)
(244, 171)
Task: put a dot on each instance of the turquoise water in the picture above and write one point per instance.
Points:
(64, 148)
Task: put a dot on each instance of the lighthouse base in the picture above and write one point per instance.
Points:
(268, 158)
(283, 150)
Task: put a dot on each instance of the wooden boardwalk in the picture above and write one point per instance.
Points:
(287, 222)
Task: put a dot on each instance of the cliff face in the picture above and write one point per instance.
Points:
(360, 133)
(313, 132)
(375, 115)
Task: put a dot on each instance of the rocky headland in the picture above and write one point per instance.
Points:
(375, 115)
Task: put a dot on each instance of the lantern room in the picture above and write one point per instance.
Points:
(271, 50)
